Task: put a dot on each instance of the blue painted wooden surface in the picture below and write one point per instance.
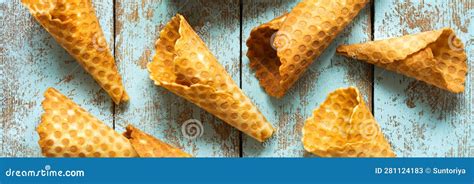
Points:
(422, 120)
(418, 120)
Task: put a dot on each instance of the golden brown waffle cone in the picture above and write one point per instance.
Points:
(299, 37)
(75, 27)
(184, 65)
(344, 127)
(67, 130)
(435, 57)
(147, 146)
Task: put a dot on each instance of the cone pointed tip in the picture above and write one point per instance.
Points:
(49, 90)
(447, 29)
(353, 88)
(179, 16)
(125, 98)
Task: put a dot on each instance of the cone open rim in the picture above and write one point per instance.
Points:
(348, 131)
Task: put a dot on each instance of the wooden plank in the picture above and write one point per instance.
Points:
(326, 74)
(422, 120)
(156, 110)
(31, 61)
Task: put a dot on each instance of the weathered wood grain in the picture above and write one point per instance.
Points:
(326, 74)
(418, 120)
(422, 120)
(30, 62)
(153, 108)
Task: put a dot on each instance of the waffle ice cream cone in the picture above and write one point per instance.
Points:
(344, 127)
(75, 27)
(282, 49)
(67, 130)
(148, 146)
(184, 65)
(435, 57)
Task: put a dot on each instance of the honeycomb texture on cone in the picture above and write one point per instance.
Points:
(299, 37)
(74, 25)
(148, 146)
(435, 57)
(344, 127)
(184, 65)
(67, 130)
